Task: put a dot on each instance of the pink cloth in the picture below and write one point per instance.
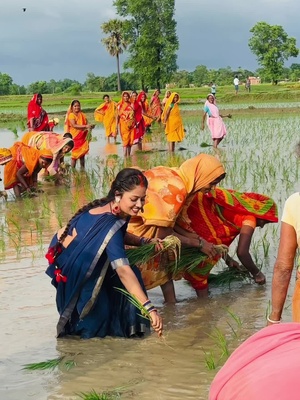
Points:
(265, 367)
(215, 122)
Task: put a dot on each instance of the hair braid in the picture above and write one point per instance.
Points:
(87, 207)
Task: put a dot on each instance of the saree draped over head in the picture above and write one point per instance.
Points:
(140, 126)
(174, 125)
(126, 121)
(48, 140)
(80, 136)
(39, 115)
(146, 108)
(264, 367)
(218, 218)
(214, 121)
(88, 302)
(106, 113)
(22, 155)
(168, 190)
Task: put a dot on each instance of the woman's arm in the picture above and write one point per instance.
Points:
(243, 253)
(167, 115)
(20, 175)
(203, 120)
(133, 286)
(77, 126)
(283, 270)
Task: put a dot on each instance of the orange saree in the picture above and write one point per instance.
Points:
(81, 143)
(106, 113)
(126, 122)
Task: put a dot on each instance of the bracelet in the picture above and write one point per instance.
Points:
(272, 321)
(200, 243)
(144, 240)
(146, 303)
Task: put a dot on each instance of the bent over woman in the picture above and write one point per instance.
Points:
(88, 264)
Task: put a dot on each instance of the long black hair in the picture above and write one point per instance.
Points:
(126, 180)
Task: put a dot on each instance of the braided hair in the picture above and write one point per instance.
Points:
(126, 180)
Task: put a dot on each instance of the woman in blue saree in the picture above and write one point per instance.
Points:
(88, 262)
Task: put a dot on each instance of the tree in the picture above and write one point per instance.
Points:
(5, 83)
(272, 46)
(151, 36)
(115, 43)
(200, 75)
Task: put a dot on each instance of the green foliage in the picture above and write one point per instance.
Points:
(115, 43)
(272, 46)
(151, 34)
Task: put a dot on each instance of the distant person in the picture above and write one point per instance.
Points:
(37, 118)
(236, 83)
(52, 123)
(77, 124)
(213, 89)
(106, 113)
(248, 85)
(214, 120)
(172, 119)
(165, 99)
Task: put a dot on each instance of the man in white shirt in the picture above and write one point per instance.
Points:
(236, 83)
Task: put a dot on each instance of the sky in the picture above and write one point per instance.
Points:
(58, 39)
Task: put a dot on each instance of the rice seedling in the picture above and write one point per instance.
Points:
(210, 360)
(228, 276)
(134, 301)
(221, 342)
(50, 364)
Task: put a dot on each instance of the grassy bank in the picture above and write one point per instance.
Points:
(13, 108)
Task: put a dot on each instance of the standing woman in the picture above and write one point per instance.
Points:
(77, 124)
(164, 100)
(88, 264)
(126, 122)
(146, 110)
(37, 118)
(214, 120)
(171, 117)
(106, 113)
(155, 105)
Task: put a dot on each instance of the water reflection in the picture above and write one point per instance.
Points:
(171, 368)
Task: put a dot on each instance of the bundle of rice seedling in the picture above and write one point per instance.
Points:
(134, 300)
(227, 276)
(142, 254)
(191, 257)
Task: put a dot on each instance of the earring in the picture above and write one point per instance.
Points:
(116, 207)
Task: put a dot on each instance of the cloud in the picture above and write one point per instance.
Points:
(62, 39)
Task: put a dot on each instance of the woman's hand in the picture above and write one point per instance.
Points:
(208, 249)
(159, 245)
(156, 322)
(259, 278)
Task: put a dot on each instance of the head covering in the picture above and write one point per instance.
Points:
(171, 98)
(258, 205)
(63, 142)
(142, 93)
(199, 171)
(47, 154)
(5, 156)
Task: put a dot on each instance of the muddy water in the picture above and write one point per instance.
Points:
(170, 368)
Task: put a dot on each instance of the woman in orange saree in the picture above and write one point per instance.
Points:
(77, 124)
(20, 174)
(168, 190)
(37, 118)
(155, 105)
(219, 217)
(58, 144)
(106, 113)
(126, 122)
(171, 117)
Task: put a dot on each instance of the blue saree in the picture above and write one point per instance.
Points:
(85, 309)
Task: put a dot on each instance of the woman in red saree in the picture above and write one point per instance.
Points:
(219, 217)
(77, 124)
(37, 118)
(126, 122)
(20, 174)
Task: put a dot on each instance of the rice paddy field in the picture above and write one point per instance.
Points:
(259, 154)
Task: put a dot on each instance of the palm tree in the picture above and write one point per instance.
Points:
(115, 42)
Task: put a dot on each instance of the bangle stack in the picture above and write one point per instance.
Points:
(144, 240)
(149, 307)
(200, 243)
(272, 320)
